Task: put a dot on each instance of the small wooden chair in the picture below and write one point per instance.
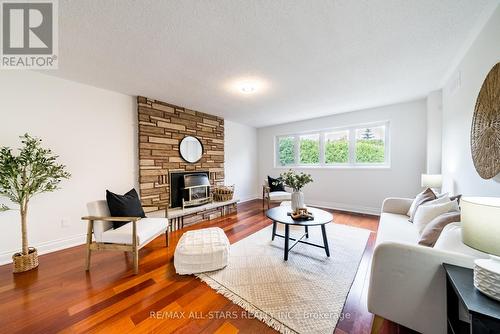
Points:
(131, 237)
(269, 196)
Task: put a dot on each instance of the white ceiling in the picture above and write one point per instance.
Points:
(315, 57)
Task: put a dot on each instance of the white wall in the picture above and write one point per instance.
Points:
(240, 154)
(434, 131)
(94, 133)
(363, 189)
(459, 98)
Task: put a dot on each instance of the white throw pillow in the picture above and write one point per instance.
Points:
(426, 213)
(440, 200)
(422, 197)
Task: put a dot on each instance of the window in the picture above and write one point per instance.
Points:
(286, 151)
(337, 147)
(309, 149)
(355, 146)
(370, 147)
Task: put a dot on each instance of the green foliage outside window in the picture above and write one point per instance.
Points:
(309, 151)
(336, 151)
(286, 151)
(370, 151)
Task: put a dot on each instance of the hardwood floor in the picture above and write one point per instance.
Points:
(60, 296)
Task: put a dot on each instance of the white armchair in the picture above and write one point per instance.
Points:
(130, 237)
(269, 196)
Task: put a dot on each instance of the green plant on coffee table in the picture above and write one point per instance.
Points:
(33, 171)
(294, 180)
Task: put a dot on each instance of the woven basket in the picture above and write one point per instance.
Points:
(24, 263)
(223, 193)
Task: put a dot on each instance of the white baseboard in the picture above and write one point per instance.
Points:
(249, 198)
(346, 207)
(47, 247)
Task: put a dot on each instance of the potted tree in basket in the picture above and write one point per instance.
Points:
(33, 171)
(296, 181)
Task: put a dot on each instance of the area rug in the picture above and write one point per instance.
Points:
(307, 293)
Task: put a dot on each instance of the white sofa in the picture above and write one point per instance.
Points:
(407, 282)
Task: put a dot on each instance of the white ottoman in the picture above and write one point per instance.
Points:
(201, 250)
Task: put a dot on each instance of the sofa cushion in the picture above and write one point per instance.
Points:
(441, 199)
(431, 232)
(396, 227)
(424, 196)
(147, 228)
(426, 213)
(280, 196)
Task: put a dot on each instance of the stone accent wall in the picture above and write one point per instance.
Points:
(161, 128)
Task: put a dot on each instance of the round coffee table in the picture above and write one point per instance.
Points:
(280, 215)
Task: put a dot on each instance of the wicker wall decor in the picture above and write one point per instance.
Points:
(485, 131)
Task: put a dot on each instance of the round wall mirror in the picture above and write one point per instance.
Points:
(191, 149)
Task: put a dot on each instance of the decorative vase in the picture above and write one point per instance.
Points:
(24, 263)
(297, 201)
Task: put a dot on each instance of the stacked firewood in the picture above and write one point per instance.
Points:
(223, 193)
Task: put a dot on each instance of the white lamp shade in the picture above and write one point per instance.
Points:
(432, 180)
(481, 223)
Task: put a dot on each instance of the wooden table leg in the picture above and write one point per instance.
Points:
(274, 230)
(90, 229)
(325, 240)
(287, 236)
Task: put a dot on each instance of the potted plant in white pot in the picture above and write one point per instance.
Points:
(33, 171)
(296, 181)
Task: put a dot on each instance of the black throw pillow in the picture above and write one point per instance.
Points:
(128, 205)
(275, 184)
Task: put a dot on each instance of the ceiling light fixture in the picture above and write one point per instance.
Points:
(247, 86)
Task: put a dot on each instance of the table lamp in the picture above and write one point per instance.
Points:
(431, 181)
(481, 230)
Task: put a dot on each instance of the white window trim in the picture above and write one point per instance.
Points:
(352, 164)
